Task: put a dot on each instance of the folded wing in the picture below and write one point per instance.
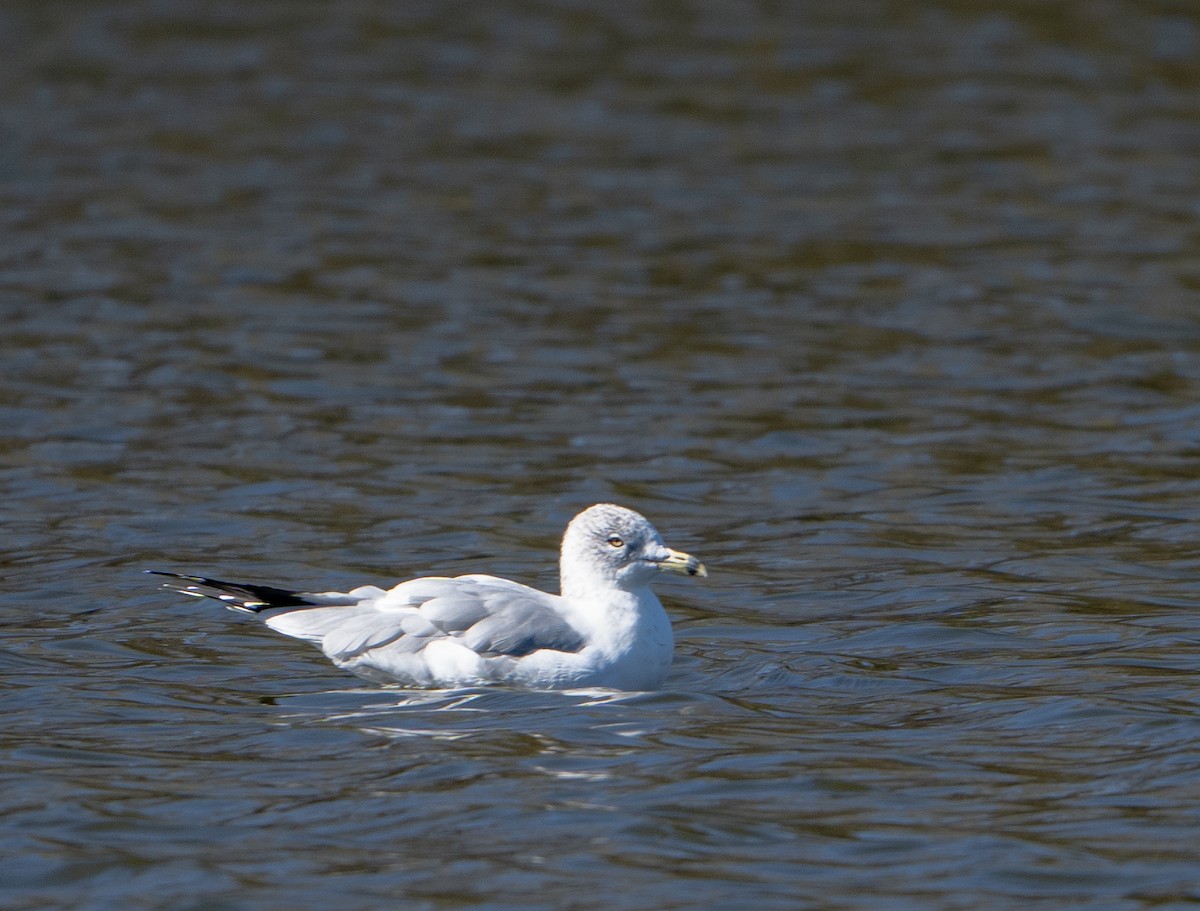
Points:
(490, 616)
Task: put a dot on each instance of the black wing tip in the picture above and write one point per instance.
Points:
(235, 595)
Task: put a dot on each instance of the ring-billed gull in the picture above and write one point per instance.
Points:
(606, 629)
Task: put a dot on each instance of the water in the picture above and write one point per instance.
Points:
(887, 312)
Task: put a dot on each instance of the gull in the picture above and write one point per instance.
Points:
(607, 628)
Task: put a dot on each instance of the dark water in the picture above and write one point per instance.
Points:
(888, 311)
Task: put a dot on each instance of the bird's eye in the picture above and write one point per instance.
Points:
(615, 541)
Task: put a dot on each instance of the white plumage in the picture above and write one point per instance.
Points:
(606, 629)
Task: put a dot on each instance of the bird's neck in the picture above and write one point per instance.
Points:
(608, 611)
(584, 586)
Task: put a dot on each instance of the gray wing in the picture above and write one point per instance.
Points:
(491, 616)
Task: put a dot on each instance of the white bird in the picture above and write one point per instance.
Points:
(606, 629)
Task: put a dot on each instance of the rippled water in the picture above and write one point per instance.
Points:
(887, 311)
